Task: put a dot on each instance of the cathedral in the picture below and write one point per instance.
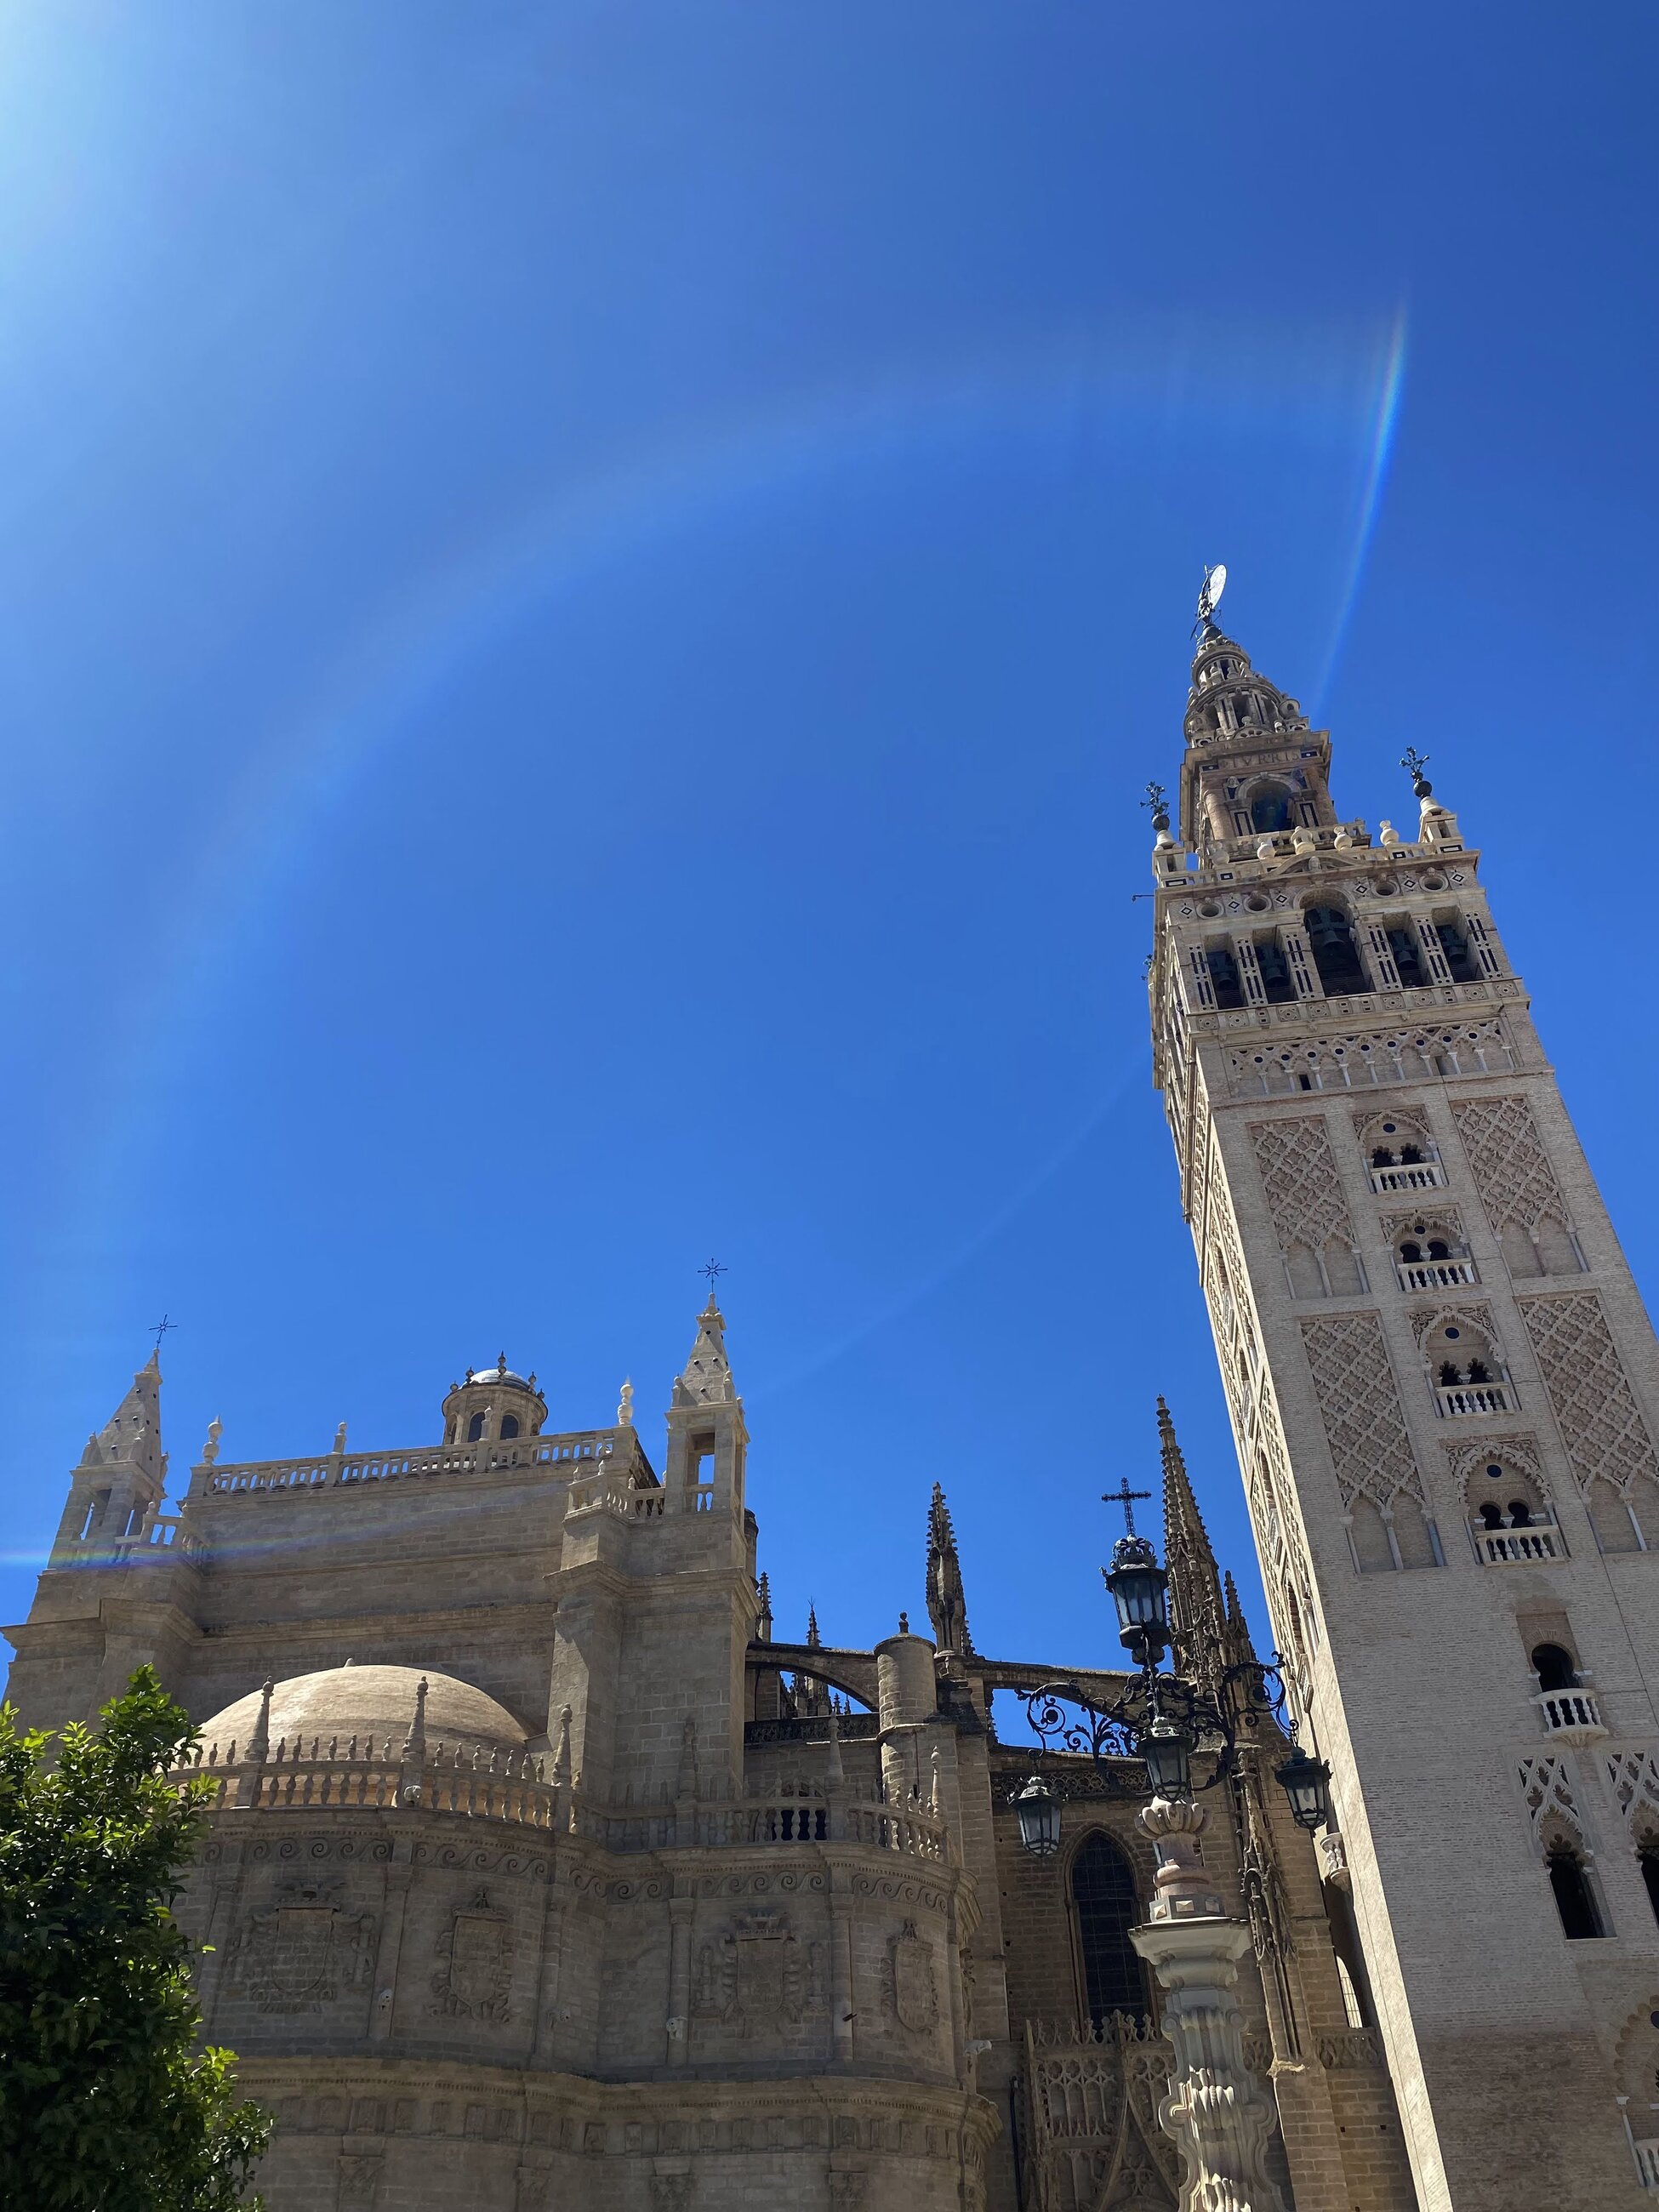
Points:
(546, 1876)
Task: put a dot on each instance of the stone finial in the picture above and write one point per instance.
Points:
(562, 1755)
(340, 1441)
(211, 1448)
(415, 1743)
(685, 1779)
(1183, 1885)
(763, 1619)
(935, 1798)
(625, 1407)
(1387, 834)
(814, 1640)
(258, 1749)
(904, 1624)
(835, 1773)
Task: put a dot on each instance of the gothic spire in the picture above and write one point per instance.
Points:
(1195, 1602)
(812, 1636)
(947, 1606)
(706, 1378)
(132, 1435)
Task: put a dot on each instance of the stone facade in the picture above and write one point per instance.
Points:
(542, 1874)
(1445, 1397)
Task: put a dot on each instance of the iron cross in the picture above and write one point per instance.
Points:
(711, 1269)
(1125, 1497)
(161, 1329)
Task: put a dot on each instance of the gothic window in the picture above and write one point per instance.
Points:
(1103, 1899)
(1410, 1250)
(475, 1428)
(1336, 955)
(1223, 975)
(1575, 1900)
(509, 1424)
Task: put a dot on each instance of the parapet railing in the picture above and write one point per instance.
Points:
(486, 1783)
(333, 1470)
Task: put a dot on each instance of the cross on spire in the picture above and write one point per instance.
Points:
(711, 1269)
(1125, 1497)
(161, 1329)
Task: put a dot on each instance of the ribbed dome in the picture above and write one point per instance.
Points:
(369, 1701)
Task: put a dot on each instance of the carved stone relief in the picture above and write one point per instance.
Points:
(758, 1975)
(1601, 1424)
(910, 1989)
(303, 1952)
(1360, 1406)
(475, 1974)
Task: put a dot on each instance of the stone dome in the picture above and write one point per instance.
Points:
(369, 1701)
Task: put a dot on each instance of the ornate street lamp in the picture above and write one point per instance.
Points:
(1161, 1721)
(1037, 1810)
(1306, 1782)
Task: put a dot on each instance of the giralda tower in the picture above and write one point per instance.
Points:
(1445, 1395)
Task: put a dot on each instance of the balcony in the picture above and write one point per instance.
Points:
(1459, 1398)
(1516, 1547)
(1571, 1715)
(1647, 2161)
(1419, 1174)
(1431, 1274)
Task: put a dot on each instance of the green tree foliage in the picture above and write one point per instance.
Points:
(105, 2103)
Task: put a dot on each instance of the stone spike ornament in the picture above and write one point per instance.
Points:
(1196, 1610)
(947, 1605)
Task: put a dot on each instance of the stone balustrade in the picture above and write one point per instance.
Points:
(338, 1470)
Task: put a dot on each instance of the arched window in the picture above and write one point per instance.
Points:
(1270, 809)
(475, 1428)
(1492, 1516)
(1103, 1896)
(1574, 1898)
(1438, 1248)
(1411, 1249)
(509, 1424)
(1330, 938)
(1553, 1666)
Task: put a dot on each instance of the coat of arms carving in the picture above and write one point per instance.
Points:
(475, 1974)
(303, 1952)
(911, 1994)
(758, 1975)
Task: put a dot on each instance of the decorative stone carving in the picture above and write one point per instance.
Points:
(670, 2192)
(758, 1975)
(1304, 1193)
(910, 1990)
(1360, 1406)
(846, 2189)
(1547, 1786)
(475, 1974)
(1510, 1167)
(1633, 1777)
(302, 1951)
(359, 2181)
(1352, 2047)
(1601, 1426)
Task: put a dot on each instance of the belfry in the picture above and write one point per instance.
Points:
(542, 1872)
(1443, 1392)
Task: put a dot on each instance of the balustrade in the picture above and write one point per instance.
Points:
(260, 1476)
(1419, 1174)
(1431, 1274)
(1573, 1714)
(1506, 1547)
(1458, 1398)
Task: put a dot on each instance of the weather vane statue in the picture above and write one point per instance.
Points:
(1209, 595)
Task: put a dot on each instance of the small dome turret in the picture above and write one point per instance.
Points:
(493, 1404)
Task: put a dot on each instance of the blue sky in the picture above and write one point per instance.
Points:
(586, 594)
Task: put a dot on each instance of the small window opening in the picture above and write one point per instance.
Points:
(1331, 939)
(1648, 1855)
(1410, 1251)
(1553, 1668)
(509, 1424)
(1519, 1513)
(475, 1428)
(1574, 1899)
(1479, 1371)
(1410, 1156)
(1454, 945)
(1275, 972)
(1450, 1376)
(1223, 975)
(1270, 810)
(1492, 1516)
(1438, 1248)
(1408, 958)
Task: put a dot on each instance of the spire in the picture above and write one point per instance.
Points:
(131, 1438)
(1253, 768)
(1195, 1602)
(764, 1621)
(706, 1378)
(812, 1636)
(947, 1605)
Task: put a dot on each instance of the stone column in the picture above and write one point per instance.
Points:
(1218, 2113)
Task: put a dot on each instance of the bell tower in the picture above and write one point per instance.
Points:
(1444, 1395)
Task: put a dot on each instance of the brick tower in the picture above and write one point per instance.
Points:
(1444, 1395)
